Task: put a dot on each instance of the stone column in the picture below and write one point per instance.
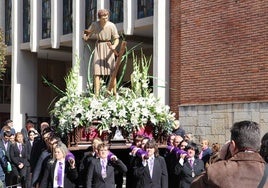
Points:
(161, 50)
(36, 24)
(56, 22)
(130, 15)
(24, 72)
(79, 52)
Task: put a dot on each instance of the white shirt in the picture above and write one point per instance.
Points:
(181, 161)
(19, 145)
(5, 144)
(55, 182)
(151, 165)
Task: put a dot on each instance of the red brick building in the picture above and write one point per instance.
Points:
(219, 56)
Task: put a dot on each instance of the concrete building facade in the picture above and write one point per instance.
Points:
(52, 53)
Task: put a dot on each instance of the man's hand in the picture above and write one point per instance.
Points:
(72, 163)
(183, 155)
(134, 151)
(113, 158)
(112, 47)
(21, 165)
(85, 37)
(86, 34)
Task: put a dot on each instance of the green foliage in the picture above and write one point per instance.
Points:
(2, 55)
(53, 87)
(71, 80)
(124, 61)
(139, 77)
(89, 75)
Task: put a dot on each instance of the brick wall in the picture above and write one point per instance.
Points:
(219, 51)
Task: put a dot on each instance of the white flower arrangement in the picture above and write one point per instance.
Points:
(130, 109)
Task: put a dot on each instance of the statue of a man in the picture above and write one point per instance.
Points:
(107, 39)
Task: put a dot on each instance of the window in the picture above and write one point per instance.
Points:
(8, 22)
(116, 14)
(145, 8)
(26, 20)
(46, 19)
(5, 86)
(67, 16)
(91, 12)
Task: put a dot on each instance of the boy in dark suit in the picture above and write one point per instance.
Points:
(189, 165)
(151, 172)
(101, 170)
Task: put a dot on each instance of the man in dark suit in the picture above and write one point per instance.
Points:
(171, 158)
(5, 143)
(151, 172)
(101, 171)
(11, 178)
(86, 161)
(20, 160)
(39, 145)
(189, 165)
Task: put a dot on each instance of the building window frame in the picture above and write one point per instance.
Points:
(67, 17)
(91, 12)
(145, 8)
(117, 11)
(8, 22)
(5, 86)
(26, 20)
(46, 19)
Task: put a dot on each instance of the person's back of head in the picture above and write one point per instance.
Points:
(246, 135)
(6, 128)
(215, 147)
(264, 147)
(189, 137)
(43, 125)
(7, 133)
(9, 122)
(29, 124)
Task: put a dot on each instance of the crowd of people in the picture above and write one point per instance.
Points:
(31, 158)
(39, 159)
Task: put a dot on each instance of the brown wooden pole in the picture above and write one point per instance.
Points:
(117, 65)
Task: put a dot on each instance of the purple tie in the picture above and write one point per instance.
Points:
(103, 168)
(20, 147)
(60, 174)
(201, 155)
(191, 162)
(151, 166)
